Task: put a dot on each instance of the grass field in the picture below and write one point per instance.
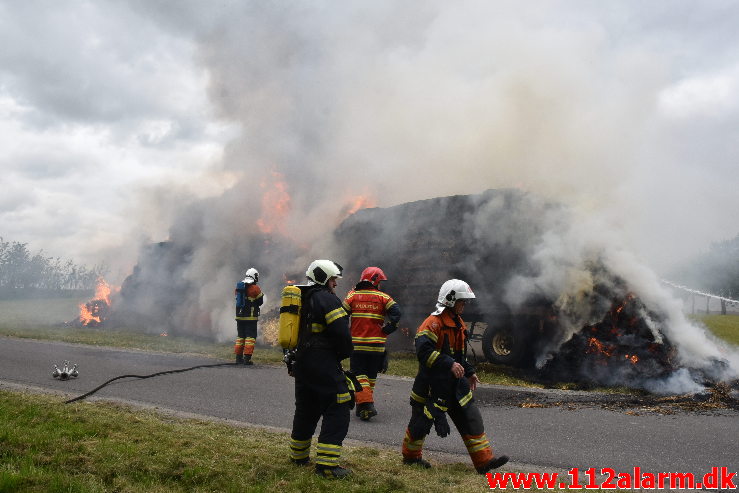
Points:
(33, 312)
(47, 446)
(725, 327)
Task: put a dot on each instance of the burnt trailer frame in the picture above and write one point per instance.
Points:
(421, 244)
(491, 241)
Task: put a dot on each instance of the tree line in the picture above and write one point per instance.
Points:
(23, 270)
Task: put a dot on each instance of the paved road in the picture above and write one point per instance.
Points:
(551, 438)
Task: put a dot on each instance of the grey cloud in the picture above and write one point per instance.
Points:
(86, 64)
(12, 199)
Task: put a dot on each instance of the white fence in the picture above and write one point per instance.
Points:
(723, 302)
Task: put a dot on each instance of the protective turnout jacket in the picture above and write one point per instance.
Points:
(440, 341)
(254, 300)
(318, 364)
(436, 392)
(368, 307)
(321, 390)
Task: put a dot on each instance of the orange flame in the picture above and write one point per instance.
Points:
(275, 204)
(91, 311)
(102, 291)
(361, 202)
(87, 316)
(595, 346)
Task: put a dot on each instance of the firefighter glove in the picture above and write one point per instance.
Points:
(388, 329)
(436, 411)
(353, 385)
(289, 359)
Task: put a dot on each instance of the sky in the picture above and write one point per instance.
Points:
(118, 117)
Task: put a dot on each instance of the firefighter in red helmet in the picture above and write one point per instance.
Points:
(369, 307)
(445, 382)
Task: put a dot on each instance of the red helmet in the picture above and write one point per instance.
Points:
(373, 275)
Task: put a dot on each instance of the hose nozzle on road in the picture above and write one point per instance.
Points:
(65, 373)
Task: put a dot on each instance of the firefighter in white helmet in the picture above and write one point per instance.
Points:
(445, 382)
(249, 299)
(321, 389)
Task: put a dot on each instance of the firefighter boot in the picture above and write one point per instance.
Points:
(493, 464)
(372, 410)
(364, 411)
(417, 462)
(239, 359)
(247, 359)
(333, 472)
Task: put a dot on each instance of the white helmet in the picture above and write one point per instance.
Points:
(320, 271)
(252, 276)
(451, 291)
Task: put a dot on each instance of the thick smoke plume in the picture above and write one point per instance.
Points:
(520, 254)
(345, 106)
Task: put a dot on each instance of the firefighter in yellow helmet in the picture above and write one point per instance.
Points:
(445, 382)
(321, 388)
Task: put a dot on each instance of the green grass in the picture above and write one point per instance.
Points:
(725, 327)
(30, 312)
(47, 446)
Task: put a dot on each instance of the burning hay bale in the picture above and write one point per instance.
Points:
(549, 290)
(95, 312)
(625, 345)
(553, 293)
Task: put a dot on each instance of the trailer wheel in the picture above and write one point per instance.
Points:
(503, 345)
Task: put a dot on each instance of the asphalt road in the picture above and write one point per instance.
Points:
(549, 438)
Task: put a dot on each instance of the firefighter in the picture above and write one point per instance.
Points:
(321, 388)
(368, 307)
(445, 382)
(249, 298)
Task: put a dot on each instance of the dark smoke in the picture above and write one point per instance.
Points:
(520, 254)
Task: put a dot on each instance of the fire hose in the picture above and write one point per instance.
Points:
(142, 377)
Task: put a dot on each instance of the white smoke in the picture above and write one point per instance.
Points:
(564, 259)
(400, 102)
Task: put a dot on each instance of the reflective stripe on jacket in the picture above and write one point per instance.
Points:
(439, 344)
(368, 308)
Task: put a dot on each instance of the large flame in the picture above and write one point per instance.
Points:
(275, 204)
(361, 202)
(94, 311)
(355, 203)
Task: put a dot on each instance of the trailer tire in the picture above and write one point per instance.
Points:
(503, 345)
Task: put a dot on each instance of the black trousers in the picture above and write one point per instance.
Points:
(366, 363)
(318, 382)
(468, 420)
(309, 408)
(246, 328)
